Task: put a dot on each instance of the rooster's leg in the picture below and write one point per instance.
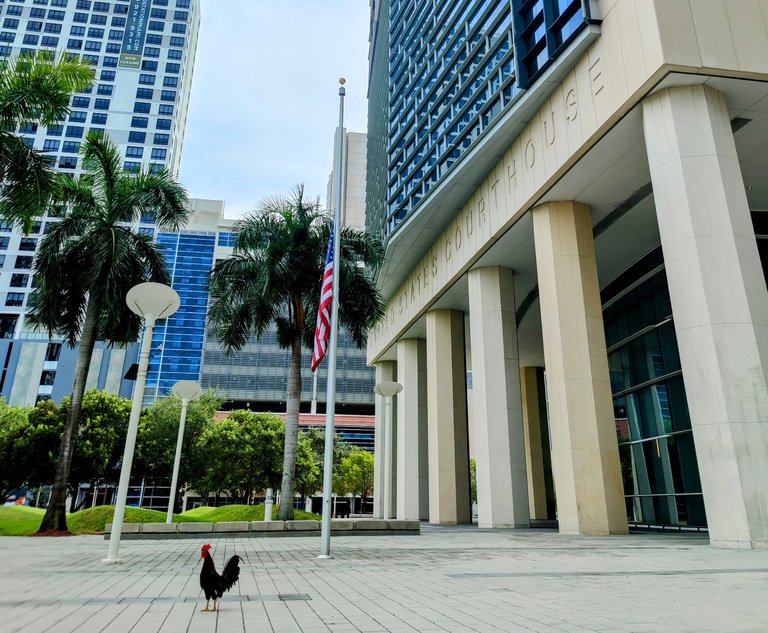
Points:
(215, 604)
(207, 602)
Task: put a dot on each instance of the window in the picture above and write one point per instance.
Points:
(23, 262)
(74, 131)
(142, 107)
(52, 28)
(161, 139)
(179, 28)
(10, 23)
(96, 34)
(31, 40)
(115, 35)
(164, 124)
(149, 65)
(172, 68)
(137, 137)
(107, 75)
(174, 54)
(112, 48)
(140, 121)
(154, 39)
(68, 162)
(77, 31)
(158, 13)
(34, 25)
(51, 145)
(167, 95)
(7, 325)
(19, 280)
(151, 51)
(134, 152)
(147, 80)
(14, 299)
(92, 46)
(82, 18)
(49, 42)
(98, 19)
(132, 166)
(98, 118)
(48, 377)
(111, 62)
(155, 26)
(159, 154)
(81, 102)
(70, 147)
(28, 244)
(55, 130)
(101, 6)
(165, 109)
(105, 89)
(145, 93)
(171, 82)
(101, 104)
(118, 22)
(4, 240)
(178, 42)
(53, 352)
(78, 117)
(181, 15)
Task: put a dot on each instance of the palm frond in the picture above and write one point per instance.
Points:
(26, 181)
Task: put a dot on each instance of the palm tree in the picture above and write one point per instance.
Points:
(33, 90)
(274, 276)
(87, 262)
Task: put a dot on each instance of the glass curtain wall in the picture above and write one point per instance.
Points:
(658, 461)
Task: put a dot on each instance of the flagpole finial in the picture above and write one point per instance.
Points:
(342, 81)
(342, 91)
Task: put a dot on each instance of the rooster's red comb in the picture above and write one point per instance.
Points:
(205, 548)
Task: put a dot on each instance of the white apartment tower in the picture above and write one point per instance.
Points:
(143, 52)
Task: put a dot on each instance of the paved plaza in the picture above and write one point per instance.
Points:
(447, 579)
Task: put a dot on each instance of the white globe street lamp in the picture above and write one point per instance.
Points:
(387, 390)
(152, 301)
(186, 391)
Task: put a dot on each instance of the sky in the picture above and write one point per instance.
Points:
(264, 103)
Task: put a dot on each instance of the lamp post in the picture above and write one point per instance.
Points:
(152, 301)
(186, 391)
(386, 390)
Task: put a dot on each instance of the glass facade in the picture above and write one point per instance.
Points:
(451, 71)
(177, 342)
(656, 448)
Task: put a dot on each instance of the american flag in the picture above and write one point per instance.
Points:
(323, 327)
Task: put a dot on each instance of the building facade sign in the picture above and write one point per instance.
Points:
(135, 32)
(554, 139)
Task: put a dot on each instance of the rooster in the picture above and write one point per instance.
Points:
(214, 584)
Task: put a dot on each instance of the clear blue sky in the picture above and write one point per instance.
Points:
(264, 102)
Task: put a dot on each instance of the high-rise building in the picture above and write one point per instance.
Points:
(573, 199)
(144, 53)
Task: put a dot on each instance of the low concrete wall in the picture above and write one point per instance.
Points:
(255, 529)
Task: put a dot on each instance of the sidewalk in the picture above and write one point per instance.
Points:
(447, 579)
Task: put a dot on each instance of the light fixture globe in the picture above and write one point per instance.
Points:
(187, 390)
(388, 389)
(153, 299)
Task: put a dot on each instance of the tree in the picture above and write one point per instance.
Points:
(33, 90)
(87, 262)
(274, 276)
(158, 430)
(309, 467)
(240, 454)
(316, 438)
(101, 433)
(357, 473)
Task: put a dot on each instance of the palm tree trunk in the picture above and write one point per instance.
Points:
(55, 515)
(292, 402)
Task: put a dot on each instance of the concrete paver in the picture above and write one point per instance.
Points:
(448, 579)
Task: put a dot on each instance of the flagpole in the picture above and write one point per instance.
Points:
(330, 400)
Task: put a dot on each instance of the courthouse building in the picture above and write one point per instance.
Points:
(574, 199)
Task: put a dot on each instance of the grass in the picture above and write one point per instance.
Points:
(22, 521)
(19, 520)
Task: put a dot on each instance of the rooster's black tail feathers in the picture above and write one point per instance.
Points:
(231, 573)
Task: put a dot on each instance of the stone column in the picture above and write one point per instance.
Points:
(412, 458)
(534, 411)
(585, 454)
(449, 501)
(385, 372)
(719, 304)
(502, 487)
